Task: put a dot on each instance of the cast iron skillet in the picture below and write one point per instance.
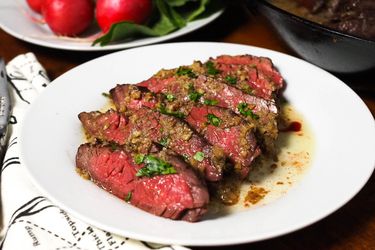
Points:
(324, 47)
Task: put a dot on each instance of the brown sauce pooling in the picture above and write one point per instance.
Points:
(254, 195)
(227, 191)
(269, 178)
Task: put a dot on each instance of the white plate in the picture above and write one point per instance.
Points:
(14, 21)
(344, 159)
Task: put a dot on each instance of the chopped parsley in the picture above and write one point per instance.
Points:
(211, 102)
(164, 141)
(199, 156)
(170, 97)
(193, 94)
(114, 146)
(213, 120)
(155, 166)
(246, 111)
(184, 71)
(247, 89)
(231, 79)
(129, 196)
(106, 95)
(211, 70)
(139, 158)
(162, 109)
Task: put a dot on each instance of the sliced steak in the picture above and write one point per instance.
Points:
(261, 112)
(144, 127)
(180, 195)
(263, 65)
(130, 97)
(253, 75)
(231, 133)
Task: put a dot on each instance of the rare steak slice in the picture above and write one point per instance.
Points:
(232, 134)
(254, 75)
(219, 126)
(200, 87)
(159, 183)
(143, 128)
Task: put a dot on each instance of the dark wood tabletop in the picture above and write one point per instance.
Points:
(352, 226)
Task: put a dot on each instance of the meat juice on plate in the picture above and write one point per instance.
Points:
(270, 179)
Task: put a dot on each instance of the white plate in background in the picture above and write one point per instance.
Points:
(14, 21)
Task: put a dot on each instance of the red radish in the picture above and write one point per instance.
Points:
(109, 12)
(68, 17)
(35, 5)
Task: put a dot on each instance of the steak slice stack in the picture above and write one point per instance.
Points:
(182, 130)
(231, 133)
(179, 195)
(145, 127)
(261, 112)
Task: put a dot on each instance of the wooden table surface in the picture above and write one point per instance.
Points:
(351, 227)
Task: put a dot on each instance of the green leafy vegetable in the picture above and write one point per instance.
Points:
(199, 156)
(182, 71)
(170, 97)
(169, 15)
(211, 70)
(139, 158)
(162, 109)
(211, 102)
(247, 89)
(193, 94)
(231, 79)
(164, 141)
(129, 196)
(177, 3)
(155, 166)
(122, 30)
(213, 120)
(204, 4)
(114, 146)
(106, 95)
(246, 111)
